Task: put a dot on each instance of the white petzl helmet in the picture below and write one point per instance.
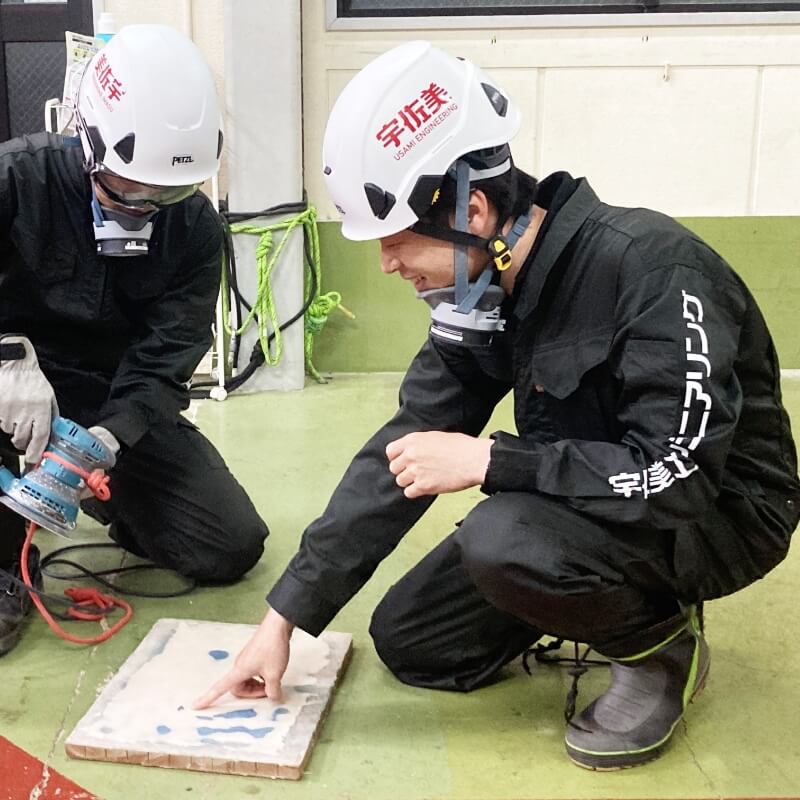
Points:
(147, 109)
(397, 127)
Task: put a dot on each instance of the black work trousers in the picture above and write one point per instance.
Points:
(520, 566)
(12, 526)
(173, 501)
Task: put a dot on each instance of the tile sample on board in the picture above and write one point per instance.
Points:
(144, 715)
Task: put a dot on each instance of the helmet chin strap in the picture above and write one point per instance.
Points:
(461, 252)
(467, 295)
(469, 313)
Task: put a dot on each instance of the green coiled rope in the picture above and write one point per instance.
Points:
(263, 310)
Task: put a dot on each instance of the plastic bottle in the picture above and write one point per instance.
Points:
(105, 26)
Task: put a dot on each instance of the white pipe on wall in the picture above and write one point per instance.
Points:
(263, 150)
(218, 392)
(188, 18)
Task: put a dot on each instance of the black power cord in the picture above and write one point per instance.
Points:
(55, 559)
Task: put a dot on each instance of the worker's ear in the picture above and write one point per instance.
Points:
(481, 214)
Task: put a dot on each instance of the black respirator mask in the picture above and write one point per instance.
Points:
(469, 313)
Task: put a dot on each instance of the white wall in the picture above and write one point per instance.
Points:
(693, 120)
(696, 120)
(265, 166)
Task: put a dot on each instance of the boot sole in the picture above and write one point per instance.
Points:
(631, 761)
(599, 762)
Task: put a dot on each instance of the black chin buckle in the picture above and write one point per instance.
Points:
(501, 252)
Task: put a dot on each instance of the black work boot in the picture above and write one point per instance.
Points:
(632, 722)
(15, 601)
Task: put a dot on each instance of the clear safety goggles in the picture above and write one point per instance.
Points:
(141, 195)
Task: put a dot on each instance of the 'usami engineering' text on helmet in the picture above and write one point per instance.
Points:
(398, 126)
(147, 109)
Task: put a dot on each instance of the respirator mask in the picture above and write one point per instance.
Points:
(124, 226)
(120, 233)
(474, 328)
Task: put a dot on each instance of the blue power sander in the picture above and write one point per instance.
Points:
(50, 494)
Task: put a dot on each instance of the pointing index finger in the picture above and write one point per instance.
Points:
(224, 684)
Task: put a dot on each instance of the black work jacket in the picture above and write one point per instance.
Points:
(646, 389)
(117, 337)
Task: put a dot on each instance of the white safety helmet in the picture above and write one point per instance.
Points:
(147, 111)
(398, 126)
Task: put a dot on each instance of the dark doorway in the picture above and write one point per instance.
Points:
(33, 58)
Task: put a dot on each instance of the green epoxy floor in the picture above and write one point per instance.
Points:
(386, 740)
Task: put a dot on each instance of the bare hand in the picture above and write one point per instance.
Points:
(435, 462)
(259, 667)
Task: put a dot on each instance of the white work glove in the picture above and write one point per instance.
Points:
(107, 438)
(27, 401)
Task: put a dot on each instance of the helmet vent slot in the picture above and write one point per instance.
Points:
(125, 146)
(498, 101)
(380, 201)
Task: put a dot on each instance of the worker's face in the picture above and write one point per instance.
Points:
(111, 188)
(427, 262)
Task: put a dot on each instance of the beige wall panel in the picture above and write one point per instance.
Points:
(207, 31)
(132, 12)
(776, 180)
(200, 19)
(679, 140)
(669, 143)
(581, 47)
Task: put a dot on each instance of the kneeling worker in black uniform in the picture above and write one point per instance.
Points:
(653, 467)
(111, 341)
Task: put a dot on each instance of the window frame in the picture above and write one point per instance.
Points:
(334, 22)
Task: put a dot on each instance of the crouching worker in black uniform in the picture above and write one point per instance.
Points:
(110, 341)
(653, 467)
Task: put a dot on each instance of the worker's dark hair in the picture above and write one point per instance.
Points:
(511, 193)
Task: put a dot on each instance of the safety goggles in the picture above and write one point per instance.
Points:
(141, 195)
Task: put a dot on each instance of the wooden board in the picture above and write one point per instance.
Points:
(144, 715)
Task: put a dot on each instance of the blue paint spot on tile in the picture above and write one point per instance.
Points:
(241, 713)
(278, 711)
(256, 733)
(218, 655)
(162, 729)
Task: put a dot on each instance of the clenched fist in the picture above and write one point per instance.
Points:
(435, 462)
